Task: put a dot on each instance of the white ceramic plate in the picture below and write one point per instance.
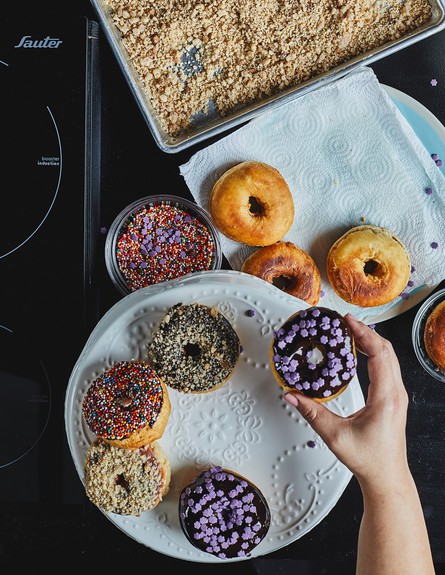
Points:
(245, 426)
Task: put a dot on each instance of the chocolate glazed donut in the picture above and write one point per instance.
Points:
(223, 514)
(313, 352)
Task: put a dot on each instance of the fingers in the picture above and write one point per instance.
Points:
(319, 417)
(383, 365)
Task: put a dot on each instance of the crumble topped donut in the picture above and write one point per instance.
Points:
(126, 481)
(368, 266)
(224, 514)
(314, 352)
(195, 349)
(127, 405)
(434, 335)
(251, 203)
(287, 267)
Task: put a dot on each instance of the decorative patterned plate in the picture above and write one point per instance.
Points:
(245, 426)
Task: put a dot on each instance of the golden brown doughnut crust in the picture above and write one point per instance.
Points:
(387, 264)
(287, 264)
(126, 481)
(251, 203)
(434, 335)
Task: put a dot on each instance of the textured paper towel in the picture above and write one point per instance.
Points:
(349, 157)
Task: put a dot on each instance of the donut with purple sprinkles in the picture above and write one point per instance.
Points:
(313, 352)
(223, 514)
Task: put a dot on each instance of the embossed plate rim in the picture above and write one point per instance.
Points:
(301, 483)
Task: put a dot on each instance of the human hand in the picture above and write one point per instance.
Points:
(370, 442)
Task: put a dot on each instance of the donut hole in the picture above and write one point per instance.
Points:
(122, 482)
(373, 268)
(315, 354)
(256, 207)
(283, 282)
(192, 350)
(312, 352)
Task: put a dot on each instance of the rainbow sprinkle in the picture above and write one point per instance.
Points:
(162, 242)
(123, 399)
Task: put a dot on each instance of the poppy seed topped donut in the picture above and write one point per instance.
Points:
(251, 203)
(194, 348)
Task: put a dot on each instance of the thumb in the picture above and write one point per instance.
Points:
(319, 417)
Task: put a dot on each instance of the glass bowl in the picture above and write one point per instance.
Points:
(159, 238)
(418, 330)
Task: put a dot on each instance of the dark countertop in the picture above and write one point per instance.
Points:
(77, 534)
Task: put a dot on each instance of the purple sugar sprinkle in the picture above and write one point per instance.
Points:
(250, 312)
(428, 191)
(103, 230)
(410, 283)
(434, 156)
(439, 163)
(311, 443)
(434, 245)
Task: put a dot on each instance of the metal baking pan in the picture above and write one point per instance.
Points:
(213, 124)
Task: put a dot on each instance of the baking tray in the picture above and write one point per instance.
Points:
(213, 124)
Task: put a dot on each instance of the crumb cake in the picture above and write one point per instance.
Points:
(196, 56)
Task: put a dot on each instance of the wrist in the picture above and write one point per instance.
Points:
(389, 484)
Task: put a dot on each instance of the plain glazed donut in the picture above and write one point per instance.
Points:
(288, 267)
(368, 266)
(195, 349)
(434, 335)
(223, 514)
(127, 405)
(126, 481)
(251, 203)
(313, 352)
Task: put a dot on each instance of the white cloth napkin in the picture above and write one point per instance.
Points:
(349, 157)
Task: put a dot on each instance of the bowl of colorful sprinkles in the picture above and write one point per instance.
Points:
(160, 238)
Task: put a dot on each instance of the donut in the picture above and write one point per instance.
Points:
(223, 514)
(194, 348)
(434, 335)
(368, 266)
(251, 203)
(313, 352)
(126, 481)
(127, 405)
(287, 267)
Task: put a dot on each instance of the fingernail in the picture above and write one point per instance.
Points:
(292, 399)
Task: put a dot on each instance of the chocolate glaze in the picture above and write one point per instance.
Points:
(223, 514)
(314, 352)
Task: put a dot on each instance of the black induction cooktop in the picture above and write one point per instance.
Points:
(50, 127)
